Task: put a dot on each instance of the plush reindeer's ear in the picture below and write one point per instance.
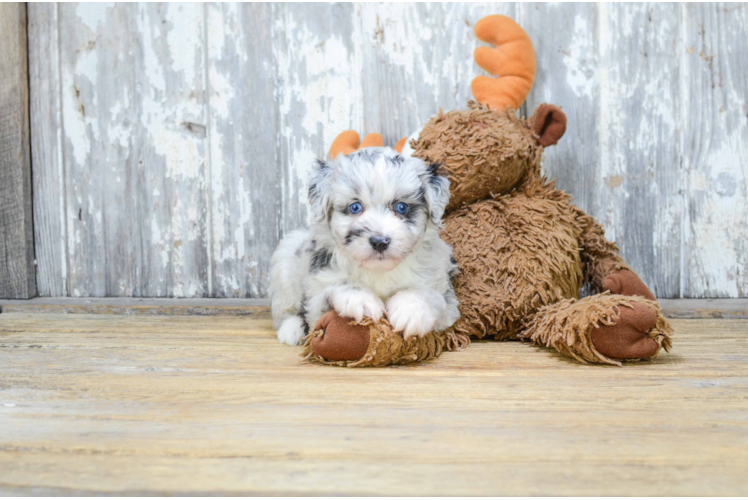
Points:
(319, 198)
(550, 124)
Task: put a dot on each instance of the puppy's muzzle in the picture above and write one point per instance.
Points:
(379, 243)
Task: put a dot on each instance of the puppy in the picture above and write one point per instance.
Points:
(373, 248)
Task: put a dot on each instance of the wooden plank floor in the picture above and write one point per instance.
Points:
(213, 404)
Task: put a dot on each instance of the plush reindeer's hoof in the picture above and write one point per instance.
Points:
(628, 338)
(341, 340)
(346, 342)
(627, 283)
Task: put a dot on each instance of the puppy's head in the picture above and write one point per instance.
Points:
(377, 204)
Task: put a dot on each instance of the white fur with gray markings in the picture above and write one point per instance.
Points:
(335, 265)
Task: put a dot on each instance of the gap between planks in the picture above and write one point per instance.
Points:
(672, 308)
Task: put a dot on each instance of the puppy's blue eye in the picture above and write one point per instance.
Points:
(355, 208)
(402, 208)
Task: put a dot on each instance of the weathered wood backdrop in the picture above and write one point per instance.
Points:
(17, 275)
(170, 142)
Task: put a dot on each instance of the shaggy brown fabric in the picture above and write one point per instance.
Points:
(385, 347)
(516, 253)
(483, 152)
(600, 257)
(520, 244)
(567, 326)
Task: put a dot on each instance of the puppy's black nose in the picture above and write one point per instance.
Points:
(379, 243)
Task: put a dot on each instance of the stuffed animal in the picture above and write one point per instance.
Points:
(522, 248)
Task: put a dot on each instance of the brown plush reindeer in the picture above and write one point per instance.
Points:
(523, 249)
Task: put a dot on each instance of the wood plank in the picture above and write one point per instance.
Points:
(715, 144)
(671, 308)
(127, 306)
(318, 93)
(416, 59)
(17, 274)
(227, 118)
(244, 126)
(705, 308)
(620, 158)
(568, 75)
(134, 109)
(170, 405)
(50, 222)
(639, 188)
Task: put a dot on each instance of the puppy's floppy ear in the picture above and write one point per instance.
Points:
(319, 193)
(437, 192)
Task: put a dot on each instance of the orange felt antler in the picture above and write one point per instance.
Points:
(347, 142)
(512, 62)
(400, 144)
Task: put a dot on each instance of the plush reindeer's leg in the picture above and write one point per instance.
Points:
(604, 268)
(603, 328)
(600, 257)
(345, 342)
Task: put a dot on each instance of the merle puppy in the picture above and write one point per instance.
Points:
(373, 249)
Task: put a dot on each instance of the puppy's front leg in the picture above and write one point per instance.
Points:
(416, 312)
(355, 302)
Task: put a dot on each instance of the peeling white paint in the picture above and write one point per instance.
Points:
(75, 89)
(92, 15)
(159, 151)
(721, 185)
(325, 98)
(580, 60)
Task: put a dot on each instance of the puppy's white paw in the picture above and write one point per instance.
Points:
(291, 331)
(411, 314)
(356, 303)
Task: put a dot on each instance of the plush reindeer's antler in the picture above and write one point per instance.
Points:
(347, 142)
(400, 144)
(512, 62)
